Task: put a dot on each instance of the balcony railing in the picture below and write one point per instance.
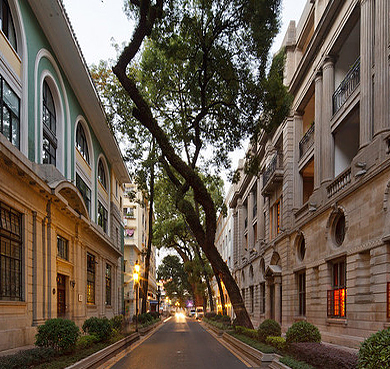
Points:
(347, 86)
(339, 183)
(307, 141)
(274, 164)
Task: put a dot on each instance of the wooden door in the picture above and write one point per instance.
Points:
(61, 296)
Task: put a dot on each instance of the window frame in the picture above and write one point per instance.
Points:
(9, 23)
(262, 297)
(84, 192)
(13, 116)
(63, 247)
(102, 177)
(11, 231)
(83, 145)
(102, 218)
(337, 296)
(49, 138)
(301, 280)
(91, 279)
(108, 279)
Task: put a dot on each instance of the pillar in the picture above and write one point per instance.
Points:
(317, 131)
(366, 63)
(297, 178)
(327, 149)
(278, 299)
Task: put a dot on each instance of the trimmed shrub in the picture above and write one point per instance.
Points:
(226, 319)
(252, 333)
(295, 364)
(27, 358)
(59, 334)
(266, 349)
(210, 315)
(100, 327)
(277, 342)
(155, 315)
(86, 341)
(323, 356)
(375, 351)
(269, 328)
(117, 323)
(303, 332)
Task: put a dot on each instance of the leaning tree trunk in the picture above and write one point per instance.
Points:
(205, 234)
(206, 276)
(145, 283)
(221, 293)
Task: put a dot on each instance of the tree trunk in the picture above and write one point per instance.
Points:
(221, 294)
(206, 276)
(145, 283)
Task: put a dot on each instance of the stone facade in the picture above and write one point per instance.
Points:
(61, 176)
(317, 246)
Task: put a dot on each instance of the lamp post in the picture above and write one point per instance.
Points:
(136, 285)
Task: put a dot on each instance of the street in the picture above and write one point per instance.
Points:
(180, 343)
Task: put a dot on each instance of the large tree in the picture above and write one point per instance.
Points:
(201, 70)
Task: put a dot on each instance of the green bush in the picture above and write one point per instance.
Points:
(277, 342)
(86, 341)
(100, 327)
(155, 315)
(295, 364)
(117, 323)
(27, 358)
(252, 333)
(210, 315)
(59, 334)
(375, 351)
(269, 328)
(303, 332)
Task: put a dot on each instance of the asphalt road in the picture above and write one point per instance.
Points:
(180, 343)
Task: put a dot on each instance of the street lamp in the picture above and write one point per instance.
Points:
(136, 285)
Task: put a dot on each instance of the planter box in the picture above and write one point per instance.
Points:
(276, 364)
(98, 358)
(257, 356)
(145, 330)
(216, 330)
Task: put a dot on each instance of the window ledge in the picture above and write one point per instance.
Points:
(337, 321)
(12, 303)
(299, 318)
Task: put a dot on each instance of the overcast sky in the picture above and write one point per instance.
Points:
(97, 22)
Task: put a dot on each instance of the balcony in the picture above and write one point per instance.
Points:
(339, 183)
(347, 86)
(306, 142)
(273, 174)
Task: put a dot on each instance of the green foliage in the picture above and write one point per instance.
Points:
(303, 332)
(252, 333)
(86, 341)
(100, 327)
(117, 322)
(375, 351)
(59, 334)
(254, 343)
(27, 358)
(146, 318)
(277, 342)
(294, 364)
(220, 325)
(269, 328)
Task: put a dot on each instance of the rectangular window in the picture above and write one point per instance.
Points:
(252, 297)
(102, 217)
(336, 298)
(85, 192)
(62, 248)
(254, 234)
(302, 293)
(90, 278)
(9, 113)
(108, 284)
(277, 217)
(262, 298)
(10, 254)
(128, 212)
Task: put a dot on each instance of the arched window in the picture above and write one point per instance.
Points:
(49, 126)
(81, 142)
(102, 174)
(7, 24)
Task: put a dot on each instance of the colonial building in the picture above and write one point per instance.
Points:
(60, 179)
(136, 221)
(311, 236)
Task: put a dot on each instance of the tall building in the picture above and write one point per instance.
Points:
(136, 223)
(320, 233)
(61, 173)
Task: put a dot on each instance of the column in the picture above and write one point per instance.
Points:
(235, 238)
(268, 302)
(381, 83)
(251, 203)
(317, 131)
(240, 229)
(297, 178)
(327, 150)
(260, 210)
(366, 63)
(34, 268)
(278, 299)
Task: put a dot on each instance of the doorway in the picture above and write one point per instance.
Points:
(61, 296)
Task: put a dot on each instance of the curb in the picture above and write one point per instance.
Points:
(96, 359)
(276, 364)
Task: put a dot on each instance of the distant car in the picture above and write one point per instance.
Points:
(191, 313)
(199, 312)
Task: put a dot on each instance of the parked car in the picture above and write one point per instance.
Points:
(191, 312)
(199, 312)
